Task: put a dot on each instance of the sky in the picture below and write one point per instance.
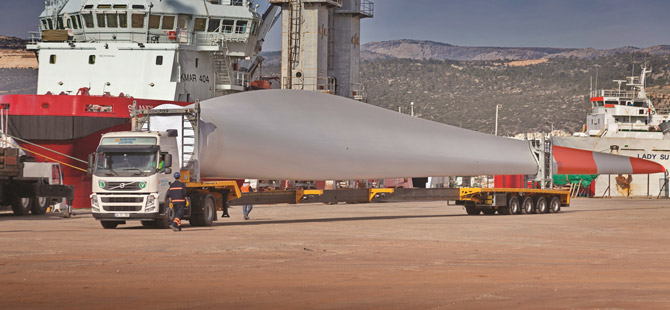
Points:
(598, 24)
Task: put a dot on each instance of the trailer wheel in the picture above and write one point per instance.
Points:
(40, 205)
(527, 205)
(21, 206)
(541, 205)
(511, 208)
(489, 211)
(209, 213)
(555, 205)
(472, 209)
(109, 224)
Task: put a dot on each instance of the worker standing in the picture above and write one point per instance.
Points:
(246, 209)
(177, 197)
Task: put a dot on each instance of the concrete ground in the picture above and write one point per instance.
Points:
(597, 254)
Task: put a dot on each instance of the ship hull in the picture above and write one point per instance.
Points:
(619, 185)
(65, 129)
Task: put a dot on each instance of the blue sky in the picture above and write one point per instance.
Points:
(522, 23)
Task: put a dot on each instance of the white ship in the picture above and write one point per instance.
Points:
(624, 121)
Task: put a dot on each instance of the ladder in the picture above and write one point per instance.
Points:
(222, 68)
(295, 31)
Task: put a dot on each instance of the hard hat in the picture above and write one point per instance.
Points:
(177, 175)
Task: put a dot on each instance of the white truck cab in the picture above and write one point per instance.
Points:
(131, 174)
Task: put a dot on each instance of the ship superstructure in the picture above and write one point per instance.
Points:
(624, 121)
(167, 50)
(624, 113)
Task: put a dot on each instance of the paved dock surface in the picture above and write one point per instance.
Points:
(597, 254)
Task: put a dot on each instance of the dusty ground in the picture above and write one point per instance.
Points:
(598, 254)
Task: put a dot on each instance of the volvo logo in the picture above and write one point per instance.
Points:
(122, 185)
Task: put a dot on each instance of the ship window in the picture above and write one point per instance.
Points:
(241, 27)
(214, 25)
(60, 24)
(611, 102)
(45, 26)
(79, 21)
(228, 25)
(91, 59)
(138, 7)
(120, 6)
(52, 59)
(104, 6)
(88, 19)
(101, 20)
(123, 20)
(88, 6)
(73, 20)
(253, 29)
(138, 20)
(69, 24)
(112, 21)
(51, 25)
(154, 21)
(159, 60)
(199, 24)
(181, 24)
(168, 22)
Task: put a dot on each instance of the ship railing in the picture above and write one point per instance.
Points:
(663, 111)
(613, 93)
(35, 37)
(240, 79)
(633, 127)
(359, 92)
(365, 8)
(319, 84)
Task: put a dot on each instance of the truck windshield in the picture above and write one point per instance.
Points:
(125, 163)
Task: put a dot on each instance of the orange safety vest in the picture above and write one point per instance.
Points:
(245, 188)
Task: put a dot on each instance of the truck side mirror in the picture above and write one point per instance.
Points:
(167, 158)
(91, 162)
(167, 171)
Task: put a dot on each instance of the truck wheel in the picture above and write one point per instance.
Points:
(472, 209)
(21, 206)
(148, 223)
(162, 223)
(555, 205)
(527, 205)
(109, 224)
(40, 205)
(541, 205)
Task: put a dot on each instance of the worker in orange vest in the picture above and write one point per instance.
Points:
(246, 209)
(177, 198)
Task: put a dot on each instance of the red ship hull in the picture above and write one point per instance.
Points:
(71, 125)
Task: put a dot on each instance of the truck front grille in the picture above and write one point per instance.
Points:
(122, 208)
(122, 186)
(122, 199)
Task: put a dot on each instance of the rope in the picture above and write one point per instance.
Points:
(50, 150)
(49, 158)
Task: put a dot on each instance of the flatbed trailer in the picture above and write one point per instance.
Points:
(506, 201)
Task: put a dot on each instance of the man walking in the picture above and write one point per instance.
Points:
(246, 209)
(177, 197)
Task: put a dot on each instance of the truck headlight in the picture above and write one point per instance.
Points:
(151, 203)
(94, 203)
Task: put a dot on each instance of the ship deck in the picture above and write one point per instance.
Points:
(596, 254)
